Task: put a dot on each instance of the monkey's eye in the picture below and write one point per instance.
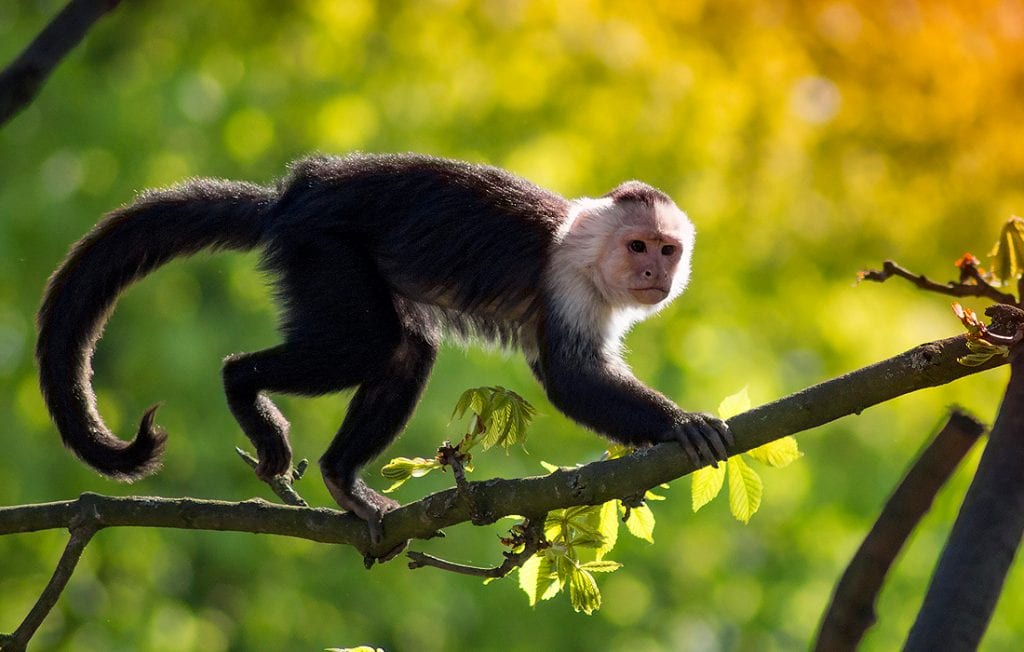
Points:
(638, 246)
(668, 250)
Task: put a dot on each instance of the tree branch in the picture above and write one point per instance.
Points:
(21, 81)
(852, 610)
(981, 288)
(83, 527)
(927, 365)
(985, 537)
(530, 537)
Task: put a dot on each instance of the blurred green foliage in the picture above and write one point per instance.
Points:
(807, 140)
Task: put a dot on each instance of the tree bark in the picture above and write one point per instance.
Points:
(21, 81)
(985, 537)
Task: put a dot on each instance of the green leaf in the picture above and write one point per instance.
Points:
(745, 489)
(400, 469)
(1008, 253)
(601, 566)
(778, 453)
(734, 404)
(618, 450)
(585, 540)
(583, 591)
(707, 484)
(502, 415)
(538, 579)
(608, 527)
(641, 523)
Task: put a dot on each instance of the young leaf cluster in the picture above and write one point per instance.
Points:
(745, 485)
(1008, 253)
(498, 416)
(579, 539)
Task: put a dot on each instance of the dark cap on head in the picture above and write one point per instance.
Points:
(638, 191)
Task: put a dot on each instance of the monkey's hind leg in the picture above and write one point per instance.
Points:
(378, 412)
(290, 368)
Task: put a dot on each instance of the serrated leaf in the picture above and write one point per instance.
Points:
(1008, 253)
(641, 523)
(975, 359)
(601, 566)
(707, 484)
(734, 404)
(537, 579)
(608, 527)
(583, 592)
(583, 540)
(778, 453)
(745, 488)
(401, 469)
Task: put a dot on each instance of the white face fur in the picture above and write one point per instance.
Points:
(619, 262)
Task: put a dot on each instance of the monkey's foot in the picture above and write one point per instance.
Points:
(283, 484)
(368, 505)
(705, 438)
(275, 459)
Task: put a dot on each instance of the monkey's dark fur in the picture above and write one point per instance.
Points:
(374, 257)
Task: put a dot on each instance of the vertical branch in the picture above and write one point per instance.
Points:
(852, 610)
(21, 81)
(985, 537)
(81, 534)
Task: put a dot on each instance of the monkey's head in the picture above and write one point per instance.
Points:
(634, 244)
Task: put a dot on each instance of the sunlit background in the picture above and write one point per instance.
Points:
(807, 140)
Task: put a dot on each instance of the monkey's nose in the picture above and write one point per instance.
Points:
(648, 273)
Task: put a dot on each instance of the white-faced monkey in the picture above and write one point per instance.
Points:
(374, 257)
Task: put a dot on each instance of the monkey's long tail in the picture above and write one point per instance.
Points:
(125, 246)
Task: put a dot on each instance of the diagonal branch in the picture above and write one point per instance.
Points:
(21, 81)
(927, 365)
(852, 610)
(82, 527)
(988, 531)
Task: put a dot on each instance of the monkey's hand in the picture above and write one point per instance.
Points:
(368, 505)
(705, 438)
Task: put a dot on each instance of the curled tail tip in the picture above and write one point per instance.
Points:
(147, 449)
(135, 460)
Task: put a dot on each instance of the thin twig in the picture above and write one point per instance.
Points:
(82, 532)
(980, 289)
(282, 485)
(21, 81)
(852, 610)
(531, 538)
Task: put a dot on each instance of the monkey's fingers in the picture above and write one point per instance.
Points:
(688, 447)
(715, 439)
(376, 526)
(692, 439)
(723, 428)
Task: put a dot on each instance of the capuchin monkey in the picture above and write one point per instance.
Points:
(374, 258)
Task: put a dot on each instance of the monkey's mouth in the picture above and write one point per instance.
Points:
(649, 295)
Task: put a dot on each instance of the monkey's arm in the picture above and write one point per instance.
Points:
(598, 391)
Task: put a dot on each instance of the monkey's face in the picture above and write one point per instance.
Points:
(639, 265)
(646, 260)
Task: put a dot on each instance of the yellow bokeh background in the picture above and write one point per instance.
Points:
(807, 141)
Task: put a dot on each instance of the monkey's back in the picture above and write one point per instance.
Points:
(469, 240)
